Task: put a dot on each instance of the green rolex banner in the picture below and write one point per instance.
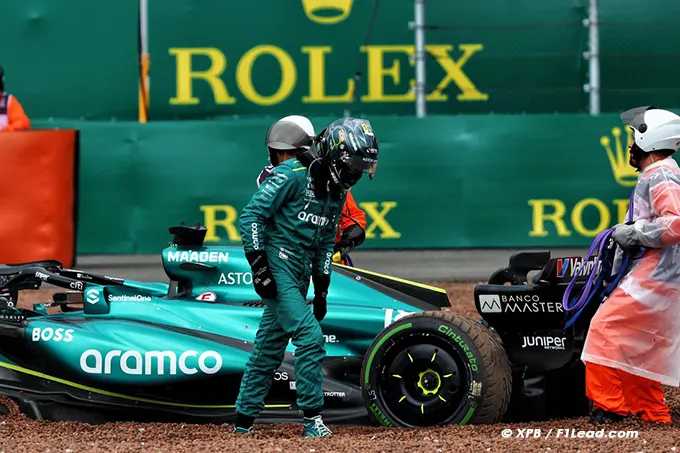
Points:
(216, 58)
(442, 182)
(320, 57)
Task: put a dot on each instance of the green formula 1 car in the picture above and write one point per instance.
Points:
(117, 349)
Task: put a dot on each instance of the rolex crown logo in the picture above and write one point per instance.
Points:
(624, 174)
(327, 11)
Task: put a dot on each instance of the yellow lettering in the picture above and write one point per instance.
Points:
(228, 223)
(454, 72)
(621, 209)
(244, 72)
(185, 75)
(317, 78)
(378, 219)
(377, 72)
(577, 217)
(539, 217)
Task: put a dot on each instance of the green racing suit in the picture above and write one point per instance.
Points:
(297, 230)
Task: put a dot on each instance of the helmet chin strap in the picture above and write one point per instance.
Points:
(316, 170)
(336, 185)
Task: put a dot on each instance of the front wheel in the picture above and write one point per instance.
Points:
(435, 368)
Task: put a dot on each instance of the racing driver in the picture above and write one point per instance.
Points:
(300, 204)
(633, 344)
(352, 224)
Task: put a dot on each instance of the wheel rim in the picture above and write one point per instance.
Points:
(424, 382)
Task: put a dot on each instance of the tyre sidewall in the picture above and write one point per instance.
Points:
(462, 345)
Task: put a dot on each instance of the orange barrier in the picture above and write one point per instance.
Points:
(38, 195)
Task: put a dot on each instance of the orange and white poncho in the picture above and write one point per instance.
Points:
(637, 328)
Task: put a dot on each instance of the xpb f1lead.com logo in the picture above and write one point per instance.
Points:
(565, 433)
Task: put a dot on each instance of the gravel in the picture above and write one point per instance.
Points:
(19, 434)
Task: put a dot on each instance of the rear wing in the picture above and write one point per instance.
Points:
(562, 270)
(551, 271)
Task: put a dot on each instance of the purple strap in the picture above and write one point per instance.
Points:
(348, 261)
(599, 243)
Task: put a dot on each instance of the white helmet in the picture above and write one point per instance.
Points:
(301, 121)
(654, 129)
(290, 133)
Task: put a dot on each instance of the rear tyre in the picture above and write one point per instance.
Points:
(435, 368)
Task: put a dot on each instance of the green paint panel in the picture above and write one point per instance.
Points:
(72, 58)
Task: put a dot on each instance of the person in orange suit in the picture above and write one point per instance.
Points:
(351, 231)
(12, 115)
(633, 342)
(352, 224)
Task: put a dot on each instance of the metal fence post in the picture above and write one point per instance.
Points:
(144, 83)
(419, 26)
(593, 56)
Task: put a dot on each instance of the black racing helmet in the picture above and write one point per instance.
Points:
(292, 133)
(350, 148)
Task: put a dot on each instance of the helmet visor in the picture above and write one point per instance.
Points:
(363, 164)
(635, 118)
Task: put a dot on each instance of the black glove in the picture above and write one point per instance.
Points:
(352, 237)
(321, 284)
(263, 280)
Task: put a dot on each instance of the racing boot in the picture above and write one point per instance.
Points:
(601, 416)
(314, 427)
(244, 424)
